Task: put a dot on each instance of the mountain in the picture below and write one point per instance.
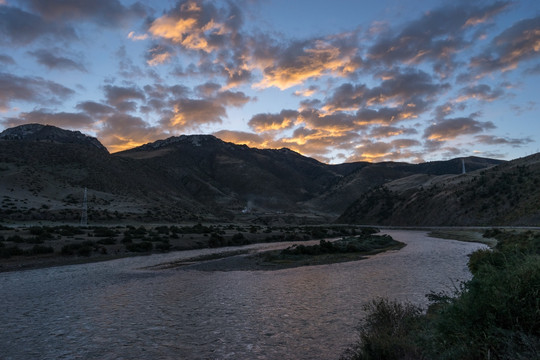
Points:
(44, 170)
(368, 175)
(48, 133)
(506, 194)
(237, 177)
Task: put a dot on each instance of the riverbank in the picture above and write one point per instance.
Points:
(30, 247)
(115, 309)
(495, 315)
(326, 252)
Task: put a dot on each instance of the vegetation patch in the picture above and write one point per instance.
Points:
(326, 252)
(495, 315)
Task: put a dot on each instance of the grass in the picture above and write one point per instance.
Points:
(346, 249)
(495, 315)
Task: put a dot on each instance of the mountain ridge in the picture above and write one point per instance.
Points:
(189, 177)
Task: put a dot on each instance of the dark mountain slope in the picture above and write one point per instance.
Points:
(370, 176)
(51, 134)
(506, 194)
(44, 170)
(236, 175)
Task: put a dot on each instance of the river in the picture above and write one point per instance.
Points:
(117, 310)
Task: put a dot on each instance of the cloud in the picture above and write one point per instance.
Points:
(159, 54)
(49, 59)
(18, 27)
(121, 131)
(197, 25)
(534, 70)
(404, 91)
(60, 119)
(6, 60)
(336, 122)
(308, 92)
(448, 108)
(376, 151)
(436, 36)
(388, 131)
(518, 43)
(103, 12)
(303, 60)
(30, 89)
(93, 108)
(209, 33)
(480, 92)
(268, 122)
(451, 128)
(496, 140)
(187, 112)
(191, 113)
(136, 37)
(242, 138)
(118, 95)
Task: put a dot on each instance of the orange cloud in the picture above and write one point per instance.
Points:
(187, 28)
(321, 59)
(160, 58)
(135, 37)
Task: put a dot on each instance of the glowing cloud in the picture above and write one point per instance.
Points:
(314, 60)
(135, 37)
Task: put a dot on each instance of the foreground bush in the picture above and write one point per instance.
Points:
(496, 315)
(388, 332)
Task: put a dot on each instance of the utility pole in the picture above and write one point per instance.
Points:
(84, 215)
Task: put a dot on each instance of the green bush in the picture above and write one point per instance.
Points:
(388, 332)
(495, 315)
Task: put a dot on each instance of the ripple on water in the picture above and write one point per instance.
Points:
(114, 310)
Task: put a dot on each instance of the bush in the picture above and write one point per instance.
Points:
(39, 249)
(495, 315)
(15, 238)
(7, 252)
(104, 232)
(143, 246)
(81, 249)
(163, 246)
(388, 332)
(107, 241)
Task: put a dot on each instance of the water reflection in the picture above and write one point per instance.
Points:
(115, 310)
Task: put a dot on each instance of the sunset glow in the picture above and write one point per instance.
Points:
(433, 81)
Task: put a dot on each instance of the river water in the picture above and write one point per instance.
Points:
(116, 310)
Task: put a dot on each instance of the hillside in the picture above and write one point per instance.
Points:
(506, 194)
(44, 171)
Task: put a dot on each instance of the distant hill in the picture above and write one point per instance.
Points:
(506, 194)
(48, 133)
(44, 170)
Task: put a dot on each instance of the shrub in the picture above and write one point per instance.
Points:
(39, 249)
(216, 240)
(7, 252)
(104, 232)
(81, 249)
(15, 238)
(163, 246)
(107, 241)
(143, 246)
(388, 331)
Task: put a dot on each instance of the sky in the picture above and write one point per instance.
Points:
(337, 80)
